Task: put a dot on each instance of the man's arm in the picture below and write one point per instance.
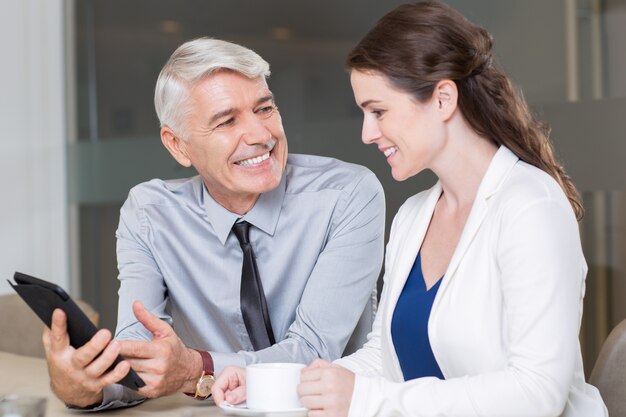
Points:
(141, 279)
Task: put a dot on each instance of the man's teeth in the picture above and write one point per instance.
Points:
(390, 151)
(253, 161)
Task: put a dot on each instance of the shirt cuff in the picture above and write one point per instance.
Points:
(221, 360)
(114, 396)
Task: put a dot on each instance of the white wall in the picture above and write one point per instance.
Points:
(33, 203)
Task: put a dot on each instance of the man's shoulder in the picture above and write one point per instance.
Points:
(167, 192)
(317, 173)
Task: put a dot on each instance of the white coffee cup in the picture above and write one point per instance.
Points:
(273, 386)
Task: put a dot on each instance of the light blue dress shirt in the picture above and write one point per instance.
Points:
(318, 241)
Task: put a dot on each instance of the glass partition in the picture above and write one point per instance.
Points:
(567, 56)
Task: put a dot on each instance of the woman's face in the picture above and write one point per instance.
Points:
(409, 133)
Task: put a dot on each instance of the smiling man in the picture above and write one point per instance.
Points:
(259, 258)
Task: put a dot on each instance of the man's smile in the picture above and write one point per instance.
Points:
(254, 160)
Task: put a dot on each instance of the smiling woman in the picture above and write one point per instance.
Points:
(484, 279)
(403, 128)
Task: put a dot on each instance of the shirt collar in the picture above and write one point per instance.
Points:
(263, 215)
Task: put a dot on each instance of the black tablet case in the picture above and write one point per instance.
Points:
(43, 297)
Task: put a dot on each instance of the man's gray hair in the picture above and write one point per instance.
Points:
(192, 62)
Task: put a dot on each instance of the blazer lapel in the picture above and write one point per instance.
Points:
(411, 243)
(497, 172)
(401, 265)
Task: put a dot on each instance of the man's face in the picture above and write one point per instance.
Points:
(235, 139)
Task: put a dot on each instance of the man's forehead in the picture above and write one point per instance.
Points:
(232, 86)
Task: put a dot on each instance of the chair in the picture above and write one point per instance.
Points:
(609, 371)
(21, 329)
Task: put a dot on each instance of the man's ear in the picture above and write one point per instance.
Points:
(176, 146)
(446, 96)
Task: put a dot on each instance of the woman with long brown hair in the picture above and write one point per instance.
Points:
(484, 272)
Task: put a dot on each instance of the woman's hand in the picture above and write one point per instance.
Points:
(326, 389)
(230, 385)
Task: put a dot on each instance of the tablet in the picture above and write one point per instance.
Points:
(44, 297)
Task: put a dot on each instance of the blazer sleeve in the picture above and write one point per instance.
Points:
(542, 271)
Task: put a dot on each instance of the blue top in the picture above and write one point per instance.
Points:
(409, 326)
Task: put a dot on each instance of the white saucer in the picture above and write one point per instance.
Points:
(243, 410)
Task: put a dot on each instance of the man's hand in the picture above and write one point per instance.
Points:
(326, 389)
(165, 364)
(230, 385)
(77, 376)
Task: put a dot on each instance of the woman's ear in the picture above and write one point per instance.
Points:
(446, 95)
(176, 146)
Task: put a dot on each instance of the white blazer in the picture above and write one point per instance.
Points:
(504, 324)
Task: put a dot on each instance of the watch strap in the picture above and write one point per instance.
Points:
(207, 370)
(207, 362)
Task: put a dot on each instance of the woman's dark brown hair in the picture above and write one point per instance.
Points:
(417, 45)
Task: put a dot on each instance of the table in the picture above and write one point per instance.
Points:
(29, 376)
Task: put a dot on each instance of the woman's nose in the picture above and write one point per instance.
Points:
(370, 132)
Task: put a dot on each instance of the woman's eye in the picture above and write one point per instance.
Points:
(378, 113)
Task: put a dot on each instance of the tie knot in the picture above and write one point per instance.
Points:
(242, 230)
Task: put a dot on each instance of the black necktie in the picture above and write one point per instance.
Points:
(253, 304)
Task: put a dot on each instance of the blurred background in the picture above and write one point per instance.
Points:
(78, 127)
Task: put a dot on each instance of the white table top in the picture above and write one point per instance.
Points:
(29, 376)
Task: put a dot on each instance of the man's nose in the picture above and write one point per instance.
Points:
(256, 130)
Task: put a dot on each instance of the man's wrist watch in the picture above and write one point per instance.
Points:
(205, 383)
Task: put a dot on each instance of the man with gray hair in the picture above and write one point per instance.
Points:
(259, 258)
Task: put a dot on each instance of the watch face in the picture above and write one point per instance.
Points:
(204, 386)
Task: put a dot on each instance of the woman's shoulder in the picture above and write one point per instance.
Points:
(527, 186)
(529, 183)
